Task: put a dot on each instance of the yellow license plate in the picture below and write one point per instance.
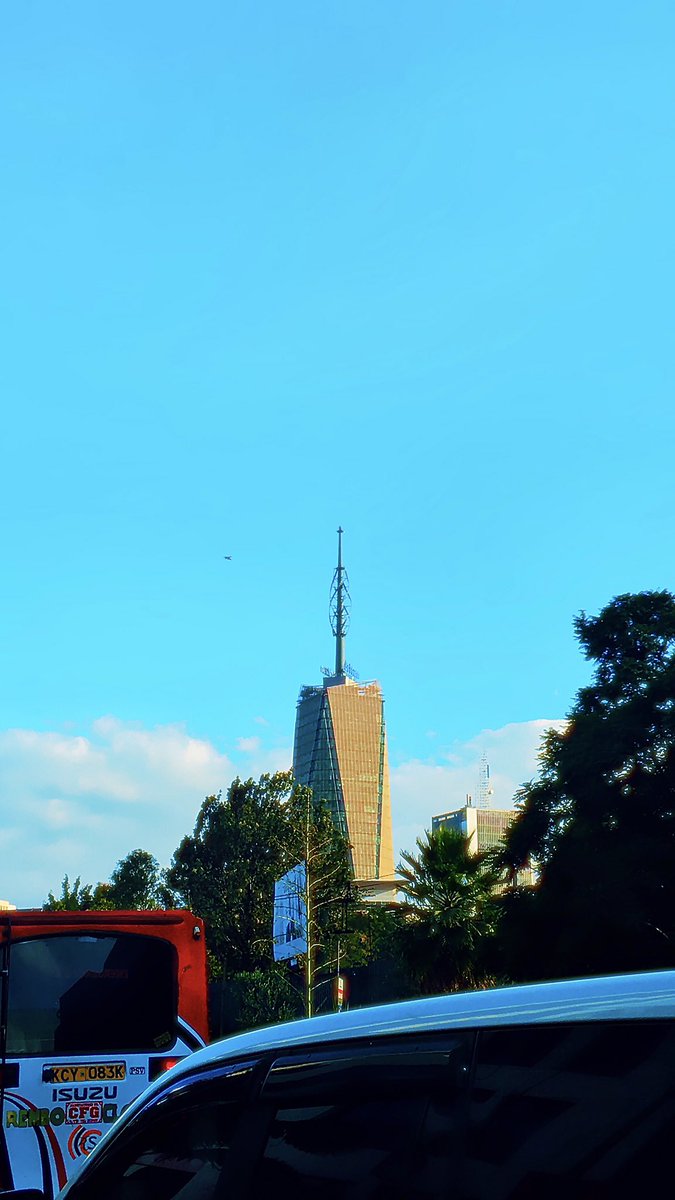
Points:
(110, 1072)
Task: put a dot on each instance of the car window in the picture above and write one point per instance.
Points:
(182, 1158)
(183, 1147)
(584, 1111)
(357, 1124)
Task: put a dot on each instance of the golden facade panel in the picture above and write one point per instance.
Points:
(341, 752)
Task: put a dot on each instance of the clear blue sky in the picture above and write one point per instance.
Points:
(271, 268)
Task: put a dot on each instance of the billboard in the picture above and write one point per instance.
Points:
(290, 913)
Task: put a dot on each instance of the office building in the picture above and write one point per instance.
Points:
(340, 751)
(484, 827)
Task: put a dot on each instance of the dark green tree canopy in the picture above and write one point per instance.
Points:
(600, 818)
(242, 843)
(136, 882)
(632, 642)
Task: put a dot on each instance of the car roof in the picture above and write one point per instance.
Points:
(640, 997)
(646, 996)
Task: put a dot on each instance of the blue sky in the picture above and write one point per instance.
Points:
(268, 269)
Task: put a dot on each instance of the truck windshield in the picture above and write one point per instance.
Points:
(73, 994)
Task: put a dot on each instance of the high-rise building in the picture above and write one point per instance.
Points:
(484, 827)
(340, 751)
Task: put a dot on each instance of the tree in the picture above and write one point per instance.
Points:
(315, 839)
(226, 870)
(78, 897)
(600, 818)
(451, 912)
(263, 997)
(136, 882)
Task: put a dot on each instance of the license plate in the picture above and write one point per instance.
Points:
(111, 1072)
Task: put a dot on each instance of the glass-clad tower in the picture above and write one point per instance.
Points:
(340, 751)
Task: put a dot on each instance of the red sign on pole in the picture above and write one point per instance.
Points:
(340, 992)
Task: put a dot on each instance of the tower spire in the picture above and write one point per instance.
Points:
(340, 601)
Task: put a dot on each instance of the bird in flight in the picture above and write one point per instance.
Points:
(228, 557)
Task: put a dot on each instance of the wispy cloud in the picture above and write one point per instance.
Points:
(422, 788)
(248, 745)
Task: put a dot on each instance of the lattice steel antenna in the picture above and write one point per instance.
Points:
(485, 789)
(340, 609)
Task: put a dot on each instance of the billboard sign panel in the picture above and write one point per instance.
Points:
(290, 913)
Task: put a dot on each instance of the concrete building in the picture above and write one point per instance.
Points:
(340, 751)
(484, 827)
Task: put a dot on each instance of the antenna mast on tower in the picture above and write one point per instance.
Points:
(340, 607)
(485, 788)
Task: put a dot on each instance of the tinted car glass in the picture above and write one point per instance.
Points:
(366, 1123)
(73, 994)
(583, 1111)
(186, 1145)
(183, 1155)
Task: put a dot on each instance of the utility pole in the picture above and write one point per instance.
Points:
(309, 965)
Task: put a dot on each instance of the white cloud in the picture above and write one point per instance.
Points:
(248, 745)
(423, 788)
(265, 762)
(77, 804)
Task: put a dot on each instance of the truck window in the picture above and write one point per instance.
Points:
(72, 994)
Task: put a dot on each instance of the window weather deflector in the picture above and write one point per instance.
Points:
(333, 1072)
(236, 1079)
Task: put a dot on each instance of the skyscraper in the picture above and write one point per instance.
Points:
(340, 751)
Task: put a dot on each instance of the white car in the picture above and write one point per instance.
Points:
(550, 1090)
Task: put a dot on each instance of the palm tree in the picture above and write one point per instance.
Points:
(450, 912)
